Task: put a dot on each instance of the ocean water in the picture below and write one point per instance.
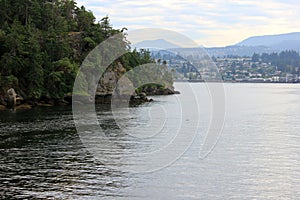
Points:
(153, 151)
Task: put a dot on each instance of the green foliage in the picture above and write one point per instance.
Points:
(149, 87)
(60, 79)
(11, 81)
(285, 61)
(152, 73)
(82, 86)
(43, 42)
(7, 82)
(136, 58)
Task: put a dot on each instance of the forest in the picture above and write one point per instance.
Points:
(286, 61)
(44, 42)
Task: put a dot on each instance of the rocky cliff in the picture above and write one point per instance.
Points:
(10, 97)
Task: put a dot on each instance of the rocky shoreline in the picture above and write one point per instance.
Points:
(13, 101)
(11, 97)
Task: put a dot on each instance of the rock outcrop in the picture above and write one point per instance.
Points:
(160, 91)
(11, 98)
(114, 83)
(111, 84)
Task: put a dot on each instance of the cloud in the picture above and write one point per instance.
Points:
(210, 22)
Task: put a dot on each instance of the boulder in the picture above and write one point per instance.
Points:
(143, 95)
(11, 98)
(125, 87)
(107, 83)
(24, 107)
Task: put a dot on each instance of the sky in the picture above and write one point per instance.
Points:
(210, 23)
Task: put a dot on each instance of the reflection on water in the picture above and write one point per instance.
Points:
(42, 156)
(257, 155)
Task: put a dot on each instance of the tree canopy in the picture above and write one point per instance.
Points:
(43, 43)
(286, 61)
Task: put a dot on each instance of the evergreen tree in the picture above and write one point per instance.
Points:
(43, 43)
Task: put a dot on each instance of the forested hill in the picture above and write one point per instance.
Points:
(43, 43)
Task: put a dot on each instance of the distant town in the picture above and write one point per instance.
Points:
(247, 70)
(280, 67)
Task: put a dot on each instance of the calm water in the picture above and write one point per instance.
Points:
(257, 155)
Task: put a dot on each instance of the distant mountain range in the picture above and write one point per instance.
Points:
(270, 40)
(155, 44)
(256, 44)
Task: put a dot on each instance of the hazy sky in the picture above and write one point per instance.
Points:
(207, 22)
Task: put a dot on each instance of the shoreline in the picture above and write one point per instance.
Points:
(67, 101)
(205, 81)
(103, 100)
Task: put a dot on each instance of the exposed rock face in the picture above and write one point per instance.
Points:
(114, 83)
(111, 84)
(109, 80)
(11, 98)
(106, 87)
(125, 87)
(107, 83)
